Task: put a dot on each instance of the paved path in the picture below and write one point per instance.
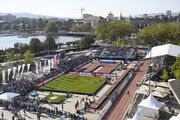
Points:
(118, 110)
(113, 86)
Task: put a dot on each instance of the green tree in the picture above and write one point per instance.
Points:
(165, 75)
(86, 41)
(81, 28)
(158, 34)
(9, 57)
(114, 30)
(28, 57)
(35, 45)
(175, 68)
(20, 48)
(51, 27)
(50, 43)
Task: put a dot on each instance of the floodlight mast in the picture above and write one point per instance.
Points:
(149, 73)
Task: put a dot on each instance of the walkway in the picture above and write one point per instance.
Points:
(118, 110)
(108, 92)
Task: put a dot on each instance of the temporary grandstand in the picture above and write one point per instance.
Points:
(110, 52)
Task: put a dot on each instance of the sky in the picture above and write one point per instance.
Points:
(72, 8)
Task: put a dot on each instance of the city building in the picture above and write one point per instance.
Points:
(7, 18)
(110, 16)
(86, 15)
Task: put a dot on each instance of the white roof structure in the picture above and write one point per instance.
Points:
(159, 94)
(150, 107)
(151, 102)
(142, 91)
(137, 116)
(175, 117)
(168, 49)
(160, 89)
(8, 96)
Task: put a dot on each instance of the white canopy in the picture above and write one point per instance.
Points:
(142, 91)
(150, 107)
(168, 49)
(152, 83)
(175, 117)
(159, 94)
(163, 84)
(8, 96)
(137, 116)
(160, 89)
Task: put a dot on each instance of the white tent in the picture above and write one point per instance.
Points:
(163, 84)
(160, 89)
(150, 107)
(159, 94)
(8, 96)
(168, 49)
(175, 117)
(137, 116)
(142, 91)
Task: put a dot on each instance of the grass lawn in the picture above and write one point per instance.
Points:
(76, 84)
(54, 98)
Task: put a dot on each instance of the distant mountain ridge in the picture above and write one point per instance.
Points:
(29, 15)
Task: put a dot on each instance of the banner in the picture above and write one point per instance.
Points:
(40, 68)
(23, 65)
(92, 74)
(4, 76)
(50, 79)
(14, 72)
(52, 63)
(44, 63)
(9, 70)
(58, 58)
(55, 60)
(36, 67)
(19, 68)
(49, 65)
(28, 67)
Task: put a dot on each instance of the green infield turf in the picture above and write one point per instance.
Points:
(54, 98)
(76, 84)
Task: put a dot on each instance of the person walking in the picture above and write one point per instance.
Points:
(24, 112)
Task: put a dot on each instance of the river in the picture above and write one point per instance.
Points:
(8, 41)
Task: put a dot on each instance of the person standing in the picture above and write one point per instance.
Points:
(2, 115)
(62, 106)
(13, 117)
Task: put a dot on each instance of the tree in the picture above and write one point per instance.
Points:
(175, 68)
(20, 48)
(28, 57)
(118, 43)
(160, 34)
(114, 30)
(86, 41)
(51, 27)
(35, 45)
(50, 43)
(165, 75)
(81, 28)
(9, 57)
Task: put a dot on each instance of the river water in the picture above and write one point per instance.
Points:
(8, 41)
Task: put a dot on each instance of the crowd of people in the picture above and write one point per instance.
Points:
(116, 51)
(29, 105)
